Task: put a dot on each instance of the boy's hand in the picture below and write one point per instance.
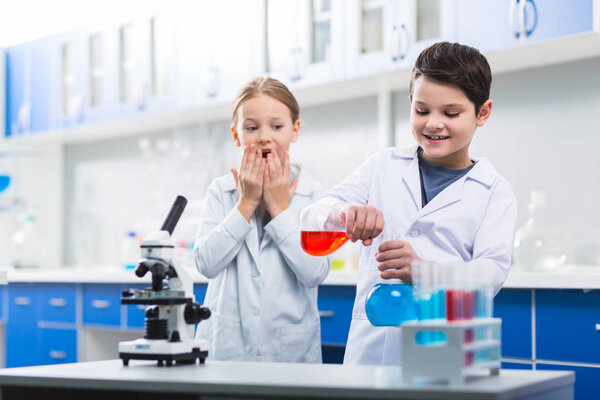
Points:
(395, 258)
(249, 181)
(276, 191)
(362, 222)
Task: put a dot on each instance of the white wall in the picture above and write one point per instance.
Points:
(543, 134)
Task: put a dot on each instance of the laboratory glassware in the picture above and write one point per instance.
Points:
(390, 302)
(322, 229)
(537, 245)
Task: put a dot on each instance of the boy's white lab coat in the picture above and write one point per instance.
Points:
(263, 298)
(471, 220)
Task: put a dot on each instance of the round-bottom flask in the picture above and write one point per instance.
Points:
(391, 304)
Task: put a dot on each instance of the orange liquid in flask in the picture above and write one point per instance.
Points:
(321, 243)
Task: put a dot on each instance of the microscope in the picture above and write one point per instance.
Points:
(172, 314)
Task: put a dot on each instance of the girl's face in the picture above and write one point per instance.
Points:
(266, 122)
(443, 122)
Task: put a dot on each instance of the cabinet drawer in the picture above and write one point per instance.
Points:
(102, 305)
(514, 365)
(567, 325)
(22, 334)
(58, 346)
(514, 307)
(58, 302)
(335, 308)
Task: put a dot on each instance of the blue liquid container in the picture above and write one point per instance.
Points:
(391, 304)
(4, 182)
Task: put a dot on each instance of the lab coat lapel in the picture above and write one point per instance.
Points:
(412, 181)
(449, 195)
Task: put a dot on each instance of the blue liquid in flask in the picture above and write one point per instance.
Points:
(391, 304)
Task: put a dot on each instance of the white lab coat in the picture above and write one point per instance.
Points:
(263, 297)
(471, 220)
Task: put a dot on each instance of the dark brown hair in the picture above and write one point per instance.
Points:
(457, 64)
(271, 87)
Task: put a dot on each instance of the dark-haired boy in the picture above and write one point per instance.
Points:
(446, 205)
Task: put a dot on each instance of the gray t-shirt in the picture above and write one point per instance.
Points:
(434, 178)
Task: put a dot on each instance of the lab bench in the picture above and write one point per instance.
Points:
(248, 380)
(549, 321)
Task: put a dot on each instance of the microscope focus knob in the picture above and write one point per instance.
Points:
(194, 313)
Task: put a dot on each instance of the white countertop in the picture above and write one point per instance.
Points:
(568, 277)
(277, 380)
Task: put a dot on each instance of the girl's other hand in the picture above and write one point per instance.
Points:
(395, 258)
(249, 181)
(276, 191)
(362, 222)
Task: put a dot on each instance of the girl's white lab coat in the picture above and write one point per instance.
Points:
(263, 297)
(471, 220)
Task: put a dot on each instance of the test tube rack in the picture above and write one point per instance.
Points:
(453, 358)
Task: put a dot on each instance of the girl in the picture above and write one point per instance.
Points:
(263, 287)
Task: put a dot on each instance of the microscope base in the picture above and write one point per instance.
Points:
(164, 352)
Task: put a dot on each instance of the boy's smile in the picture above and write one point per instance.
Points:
(443, 122)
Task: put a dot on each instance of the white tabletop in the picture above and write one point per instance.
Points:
(280, 380)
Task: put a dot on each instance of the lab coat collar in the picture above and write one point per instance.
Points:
(482, 171)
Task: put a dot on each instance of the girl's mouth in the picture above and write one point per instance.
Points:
(265, 153)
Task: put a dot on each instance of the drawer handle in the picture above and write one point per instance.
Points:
(22, 301)
(58, 354)
(597, 327)
(141, 306)
(57, 302)
(100, 304)
(326, 314)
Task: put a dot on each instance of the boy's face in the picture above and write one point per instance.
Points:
(443, 122)
(266, 122)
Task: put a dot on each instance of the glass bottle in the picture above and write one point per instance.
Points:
(537, 245)
(390, 302)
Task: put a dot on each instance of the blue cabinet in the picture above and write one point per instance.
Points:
(22, 333)
(18, 64)
(586, 379)
(514, 307)
(58, 302)
(335, 307)
(57, 346)
(102, 305)
(566, 325)
(499, 24)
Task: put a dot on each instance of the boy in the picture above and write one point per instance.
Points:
(447, 206)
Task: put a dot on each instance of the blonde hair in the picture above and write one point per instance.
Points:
(271, 87)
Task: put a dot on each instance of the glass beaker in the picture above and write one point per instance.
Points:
(322, 229)
(390, 302)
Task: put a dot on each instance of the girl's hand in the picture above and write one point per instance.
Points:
(395, 258)
(362, 222)
(249, 181)
(276, 191)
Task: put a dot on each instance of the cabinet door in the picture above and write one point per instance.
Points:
(58, 302)
(514, 307)
(102, 305)
(499, 24)
(305, 41)
(385, 35)
(58, 346)
(17, 78)
(70, 49)
(22, 333)
(586, 379)
(567, 325)
(335, 308)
